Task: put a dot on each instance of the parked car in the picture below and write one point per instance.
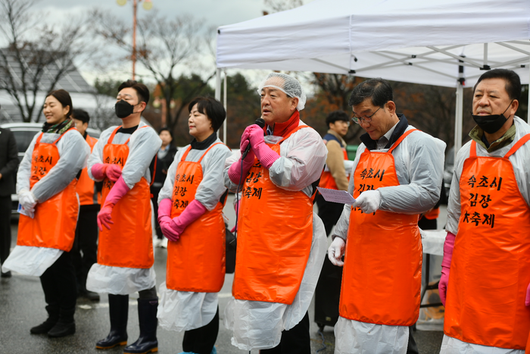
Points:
(24, 133)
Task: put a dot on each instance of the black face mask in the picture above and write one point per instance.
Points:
(123, 109)
(492, 123)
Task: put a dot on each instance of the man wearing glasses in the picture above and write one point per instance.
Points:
(397, 176)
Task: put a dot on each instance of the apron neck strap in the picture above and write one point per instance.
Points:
(111, 137)
(189, 148)
(517, 145)
(473, 149)
(395, 145)
(59, 138)
(38, 139)
(56, 140)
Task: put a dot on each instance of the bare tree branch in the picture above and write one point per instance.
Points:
(38, 55)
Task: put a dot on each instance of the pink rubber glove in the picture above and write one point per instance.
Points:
(446, 265)
(234, 172)
(193, 211)
(99, 170)
(265, 154)
(164, 209)
(116, 193)
(167, 230)
(164, 220)
(113, 172)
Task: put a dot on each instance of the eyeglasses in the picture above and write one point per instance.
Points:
(364, 119)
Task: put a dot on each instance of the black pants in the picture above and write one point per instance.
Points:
(328, 212)
(412, 348)
(59, 285)
(201, 340)
(154, 192)
(294, 341)
(5, 227)
(85, 249)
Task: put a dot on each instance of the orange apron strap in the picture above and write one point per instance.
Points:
(207, 151)
(154, 173)
(111, 137)
(183, 158)
(395, 145)
(59, 138)
(473, 149)
(38, 139)
(517, 145)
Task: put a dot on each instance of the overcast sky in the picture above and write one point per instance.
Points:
(213, 12)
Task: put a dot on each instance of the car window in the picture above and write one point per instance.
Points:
(23, 138)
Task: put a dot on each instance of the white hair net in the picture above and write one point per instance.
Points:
(287, 84)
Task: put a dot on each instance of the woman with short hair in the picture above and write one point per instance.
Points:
(190, 214)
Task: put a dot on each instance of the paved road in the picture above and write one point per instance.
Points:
(22, 306)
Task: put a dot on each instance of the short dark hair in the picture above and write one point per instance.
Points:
(141, 90)
(167, 130)
(337, 115)
(512, 80)
(64, 98)
(213, 109)
(81, 115)
(377, 89)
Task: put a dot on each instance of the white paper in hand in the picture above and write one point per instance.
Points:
(335, 196)
(29, 213)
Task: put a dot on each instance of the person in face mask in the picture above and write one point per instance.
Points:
(486, 266)
(121, 159)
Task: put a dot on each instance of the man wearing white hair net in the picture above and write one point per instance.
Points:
(281, 242)
(396, 176)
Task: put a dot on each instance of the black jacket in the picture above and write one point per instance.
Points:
(8, 162)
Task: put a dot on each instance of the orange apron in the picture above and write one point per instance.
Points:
(55, 219)
(275, 233)
(85, 186)
(196, 262)
(490, 268)
(129, 242)
(432, 214)
(381, 282)
(327, 180)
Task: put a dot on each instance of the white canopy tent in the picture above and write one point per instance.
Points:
(413, 41)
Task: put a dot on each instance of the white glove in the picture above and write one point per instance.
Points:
(27, 200)
(336, 250)
(368, 201)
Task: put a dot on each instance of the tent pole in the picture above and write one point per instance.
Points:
(218, 84)
(459, 106)
(225, 106)
(458, 116)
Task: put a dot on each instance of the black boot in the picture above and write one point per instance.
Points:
(53, 318)
(66, 324)
(147, 342)
(118, 311)
(62, 328)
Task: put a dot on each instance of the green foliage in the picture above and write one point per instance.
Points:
(107, 87)
(192, 83)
